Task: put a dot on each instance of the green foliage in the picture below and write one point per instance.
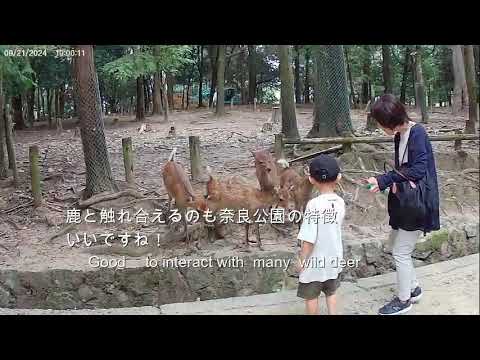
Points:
(147, 60)
(16, 73)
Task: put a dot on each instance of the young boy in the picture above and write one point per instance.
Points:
(321, 238)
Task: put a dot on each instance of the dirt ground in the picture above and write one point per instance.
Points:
(225, 143)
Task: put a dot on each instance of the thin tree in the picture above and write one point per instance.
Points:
(387, 69)
(298, 90)
(420, 98)
(98, 171)
(406, 70)
(477, 69)
(366, 74)
(460, 83)
(289, 120)
(200, 75)
(252, 73)
(306, 93)
(157, 86)
(3, 163)
(472, 91)
(353, 100)
(18, 112)
(220, 109)
(213, 55)
(140, 108)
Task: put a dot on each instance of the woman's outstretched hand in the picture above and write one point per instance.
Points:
(373, 185)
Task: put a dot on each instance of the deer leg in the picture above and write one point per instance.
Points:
(259, 241)
(169, 208)
(185, 231)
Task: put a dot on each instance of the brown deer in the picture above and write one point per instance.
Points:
(266, 170)
(237, 196)
(178, 187)
(294, 187)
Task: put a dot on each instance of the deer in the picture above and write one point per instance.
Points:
(179, 188)
(294, 187)
(237, 196)
(266, 170)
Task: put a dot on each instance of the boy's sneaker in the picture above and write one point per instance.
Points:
(395, 307)
(416, 294)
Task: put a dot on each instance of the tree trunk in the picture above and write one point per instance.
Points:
(98, 171)
(387, 69)
(240, 70)
(140, 109)
(459, 78)
(477, 69)
(166, 110)
(49, 107)
(39, 103)
(12, 161)
(252, 73)
(289, 120)
(188, 92)
(213, 55)
(62, 102)
(31, 106)
(17, 112)
(472, 90)
(146, 95)
(349, 72)
(157, 94)
(183, 96)
(3, 162)
(419, 85)
(200, 75)
(220, 110)
(366, 77)
(171, 85)
(42, 96)
(298, 90)
(332, 111)
(306, 94)
(406, 69)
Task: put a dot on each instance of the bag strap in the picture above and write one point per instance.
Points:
(395, 170)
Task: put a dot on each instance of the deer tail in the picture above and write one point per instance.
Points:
(172, 155)
(283, 163)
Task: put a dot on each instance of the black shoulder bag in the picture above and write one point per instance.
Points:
(407, 205)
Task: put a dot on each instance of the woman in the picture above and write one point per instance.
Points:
(414, 158)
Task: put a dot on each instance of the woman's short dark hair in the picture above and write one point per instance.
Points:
(389, 112)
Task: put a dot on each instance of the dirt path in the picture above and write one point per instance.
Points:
(225, 145)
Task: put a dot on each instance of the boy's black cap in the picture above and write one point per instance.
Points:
(324, 168)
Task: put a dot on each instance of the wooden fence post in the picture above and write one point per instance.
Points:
(35, 176)
(128, 160)
(279, 146)
(458, 143)
(275, 115)
(194, 145)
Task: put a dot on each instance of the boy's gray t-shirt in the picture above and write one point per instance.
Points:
(326, 235)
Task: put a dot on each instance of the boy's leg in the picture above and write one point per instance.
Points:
(310, 293)
(311, 306)
(330, 289)
(332, 304)
(402, 252)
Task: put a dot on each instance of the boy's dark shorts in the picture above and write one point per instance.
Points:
(309, 291)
